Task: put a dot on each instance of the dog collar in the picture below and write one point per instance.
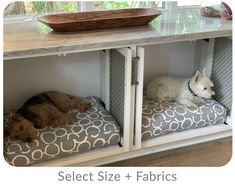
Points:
(190, 90)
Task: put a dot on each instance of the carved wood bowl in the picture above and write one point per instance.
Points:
(100, 19)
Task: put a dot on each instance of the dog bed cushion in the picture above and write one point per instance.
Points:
(159, 119)
(93, 129)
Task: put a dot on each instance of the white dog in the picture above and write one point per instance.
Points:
(190, 92)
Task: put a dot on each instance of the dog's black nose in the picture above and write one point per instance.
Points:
(28, 139)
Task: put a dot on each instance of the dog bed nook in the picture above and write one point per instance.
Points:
(164, 118)
(93, 129)
(171, 121)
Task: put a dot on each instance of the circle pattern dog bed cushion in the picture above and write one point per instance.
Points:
(94, 129)
(160, 119)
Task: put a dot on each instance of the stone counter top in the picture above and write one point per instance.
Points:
(31, 38)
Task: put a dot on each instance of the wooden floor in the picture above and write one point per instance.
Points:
(215, 153)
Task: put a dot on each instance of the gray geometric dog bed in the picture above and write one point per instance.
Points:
(93, 129)
(160, 119)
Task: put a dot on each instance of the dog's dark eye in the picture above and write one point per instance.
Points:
(205, 88)
(21, 128)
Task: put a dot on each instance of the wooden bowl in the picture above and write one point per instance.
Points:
(99, 19)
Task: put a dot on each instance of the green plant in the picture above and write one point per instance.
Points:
(47, 6)
(126, 4)
(70, 7)
(43, 6)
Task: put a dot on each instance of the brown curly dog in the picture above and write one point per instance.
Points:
(48, 108)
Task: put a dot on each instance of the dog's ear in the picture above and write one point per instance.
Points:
(197, 77)
(9, 130)
(204, 72)
(17, 117)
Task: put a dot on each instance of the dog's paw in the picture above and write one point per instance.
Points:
(71, 117)
(192, 106)
(200, 103)
(85, 106)
(187, 103)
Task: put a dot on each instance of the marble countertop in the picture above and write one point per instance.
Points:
(31, 38)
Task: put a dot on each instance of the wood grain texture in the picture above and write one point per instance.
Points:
(215, 153)
(99, 19)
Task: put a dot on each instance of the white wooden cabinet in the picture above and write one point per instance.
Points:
(40, 62)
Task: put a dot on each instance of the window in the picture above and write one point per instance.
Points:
(189, 3)
(29, 8)
(34, 8)
(126, 4)
(198, 3)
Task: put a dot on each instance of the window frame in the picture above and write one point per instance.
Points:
(90, 6)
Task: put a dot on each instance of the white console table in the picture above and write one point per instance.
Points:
(29, 38)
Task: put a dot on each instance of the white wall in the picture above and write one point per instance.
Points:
(80, 74)
(201, 54)
(172, 59)
(77, 74)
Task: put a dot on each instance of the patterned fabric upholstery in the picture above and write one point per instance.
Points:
(222, 71)
(159, 119)
(94, 129)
